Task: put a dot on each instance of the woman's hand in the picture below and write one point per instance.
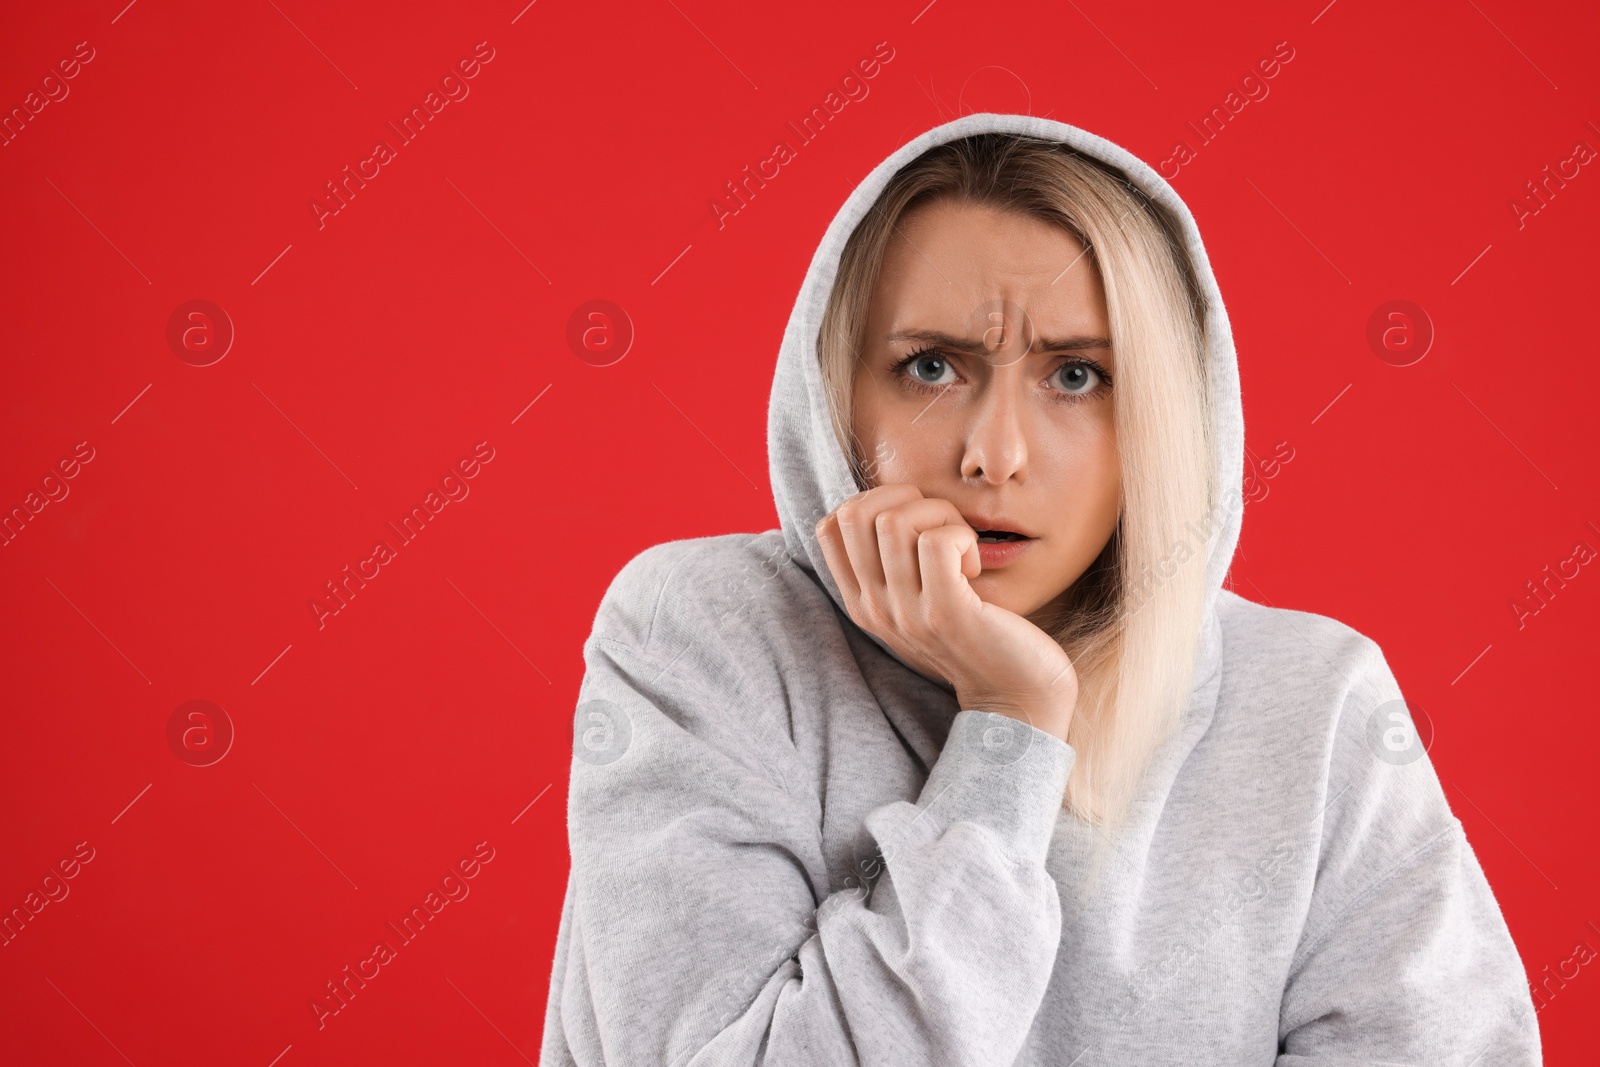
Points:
(903, 563)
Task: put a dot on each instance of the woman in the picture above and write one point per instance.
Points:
(976, 761)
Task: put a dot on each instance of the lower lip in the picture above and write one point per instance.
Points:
(999, 553)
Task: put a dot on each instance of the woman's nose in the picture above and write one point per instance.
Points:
(996, 442)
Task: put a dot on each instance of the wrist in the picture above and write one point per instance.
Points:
(1052, 715)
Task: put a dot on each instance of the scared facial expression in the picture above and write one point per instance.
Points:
(986, 380)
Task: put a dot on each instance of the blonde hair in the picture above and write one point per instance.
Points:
(1132, 644)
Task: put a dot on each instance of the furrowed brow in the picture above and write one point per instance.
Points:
(978, 348)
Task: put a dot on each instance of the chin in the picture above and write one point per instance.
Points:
(992, 588)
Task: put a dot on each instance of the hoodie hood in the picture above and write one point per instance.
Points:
(810, 472)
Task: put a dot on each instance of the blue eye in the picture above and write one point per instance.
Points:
(926, 359)
(1080, 378)
(924, 370)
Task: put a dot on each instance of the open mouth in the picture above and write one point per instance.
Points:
(994, 536)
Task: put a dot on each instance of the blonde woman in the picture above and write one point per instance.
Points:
(976, 760)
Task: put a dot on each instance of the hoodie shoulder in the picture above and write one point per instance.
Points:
(1298, 671)
(705, 586)
(1314, 709)
(732, 619)
(726, 637)
(1307, 686)
(1272, 638)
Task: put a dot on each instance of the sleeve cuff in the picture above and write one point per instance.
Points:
(1004, 774)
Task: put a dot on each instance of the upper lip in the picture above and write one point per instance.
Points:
(994, 522)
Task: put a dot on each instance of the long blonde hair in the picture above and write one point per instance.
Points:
(1132, 644)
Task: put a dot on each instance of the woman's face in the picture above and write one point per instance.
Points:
(1001, 411)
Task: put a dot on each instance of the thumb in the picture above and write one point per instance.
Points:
(971, 561)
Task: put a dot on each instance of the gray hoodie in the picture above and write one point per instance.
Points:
(790, 848)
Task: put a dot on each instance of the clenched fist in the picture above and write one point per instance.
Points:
(903, 563)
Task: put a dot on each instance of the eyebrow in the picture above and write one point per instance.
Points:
(978, 348)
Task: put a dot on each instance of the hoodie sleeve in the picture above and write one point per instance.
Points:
(1405, 957)
(700, 926)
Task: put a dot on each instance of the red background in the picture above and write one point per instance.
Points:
(434, 711)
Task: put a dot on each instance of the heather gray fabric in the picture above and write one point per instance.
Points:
(790, 848)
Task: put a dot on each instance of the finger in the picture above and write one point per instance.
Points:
(940, 552)
(833, 554)
(857, 522)
(971, 560)
(898, 527)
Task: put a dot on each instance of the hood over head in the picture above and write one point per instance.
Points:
(810, 472)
